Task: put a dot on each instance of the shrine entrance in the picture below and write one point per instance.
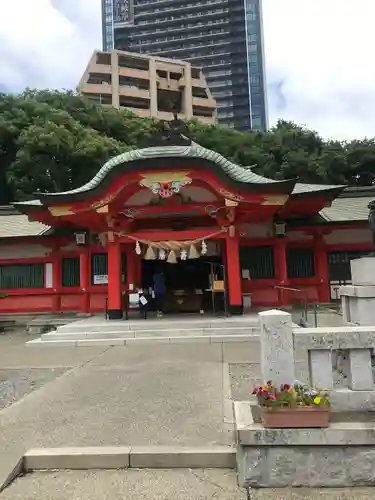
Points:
(189, 283)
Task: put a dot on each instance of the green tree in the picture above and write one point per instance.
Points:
(54, 141)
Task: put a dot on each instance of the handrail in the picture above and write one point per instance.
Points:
(288, 288)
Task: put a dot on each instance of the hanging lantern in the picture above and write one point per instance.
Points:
(193, 254)
(183, 254)
(204, 248)
(172, 259)
(150, 253)
(162, 254)
(138, 250)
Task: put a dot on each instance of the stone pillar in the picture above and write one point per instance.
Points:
(320, 367)
(276, 346)
(114, 281)
(84, 279)
(358, 300)
(234, 275)
(360, 370)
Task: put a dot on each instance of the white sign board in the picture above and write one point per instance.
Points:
(100, 279)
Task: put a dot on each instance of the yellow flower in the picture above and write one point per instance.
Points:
(317, 400)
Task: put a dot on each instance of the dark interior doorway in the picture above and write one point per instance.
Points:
(188, 283)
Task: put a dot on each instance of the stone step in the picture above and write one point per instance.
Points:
(161, 324)
(123, 457)
(124, 334)
(110, 342)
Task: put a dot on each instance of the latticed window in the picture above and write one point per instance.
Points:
(300, 262)
(13, 276)
(70, 272)
(259, 261)
(99, 267)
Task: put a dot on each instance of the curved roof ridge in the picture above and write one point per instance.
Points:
(238, 173)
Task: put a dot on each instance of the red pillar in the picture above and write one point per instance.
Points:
(234, 285)
(56, 280)
(282, 270)
(321, 264)
(114, 280)
(84, 279)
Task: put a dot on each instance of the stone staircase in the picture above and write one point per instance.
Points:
(96, 331)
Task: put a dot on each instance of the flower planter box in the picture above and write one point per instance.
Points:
(300, 417)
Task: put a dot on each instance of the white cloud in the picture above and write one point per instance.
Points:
(47, 43)
(319, 56)
(322, 51)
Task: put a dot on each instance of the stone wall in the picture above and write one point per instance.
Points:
(342, 455)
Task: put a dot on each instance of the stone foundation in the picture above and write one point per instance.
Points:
(341, 456)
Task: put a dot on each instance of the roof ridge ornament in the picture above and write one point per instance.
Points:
(168, 133)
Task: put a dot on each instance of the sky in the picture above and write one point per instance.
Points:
(319, 56)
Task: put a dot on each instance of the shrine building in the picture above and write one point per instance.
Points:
(213, 227)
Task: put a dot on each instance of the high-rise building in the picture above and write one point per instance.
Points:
(148, 86)
(224, 37)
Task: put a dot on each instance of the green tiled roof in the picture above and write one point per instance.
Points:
(236, 172)
(347, 209)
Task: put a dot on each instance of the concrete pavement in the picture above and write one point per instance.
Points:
(149, 395)
(183, 484)
(127, 485)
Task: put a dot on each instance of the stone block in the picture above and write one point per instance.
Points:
(100, 342)
(277, 351)
(165, 457)
(104, 457)
(348, 400)
(320, 367)
(367, 291)
(360, 370)
(363, 271)
(332, 338)
(279, 467)
(231, 338)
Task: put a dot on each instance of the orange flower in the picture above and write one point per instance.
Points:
(265, 388)
(291, 389)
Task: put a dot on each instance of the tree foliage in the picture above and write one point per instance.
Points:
(55, 141)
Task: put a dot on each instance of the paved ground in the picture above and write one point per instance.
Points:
(156, 394)
(127, 485)
(160, 485)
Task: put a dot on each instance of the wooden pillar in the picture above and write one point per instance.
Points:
(234, 285)
(56, 279)
(114, 280)
(84, 279)
(282, 271)
(321, 269)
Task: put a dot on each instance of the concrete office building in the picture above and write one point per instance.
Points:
(148, 86)
(224, 37)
